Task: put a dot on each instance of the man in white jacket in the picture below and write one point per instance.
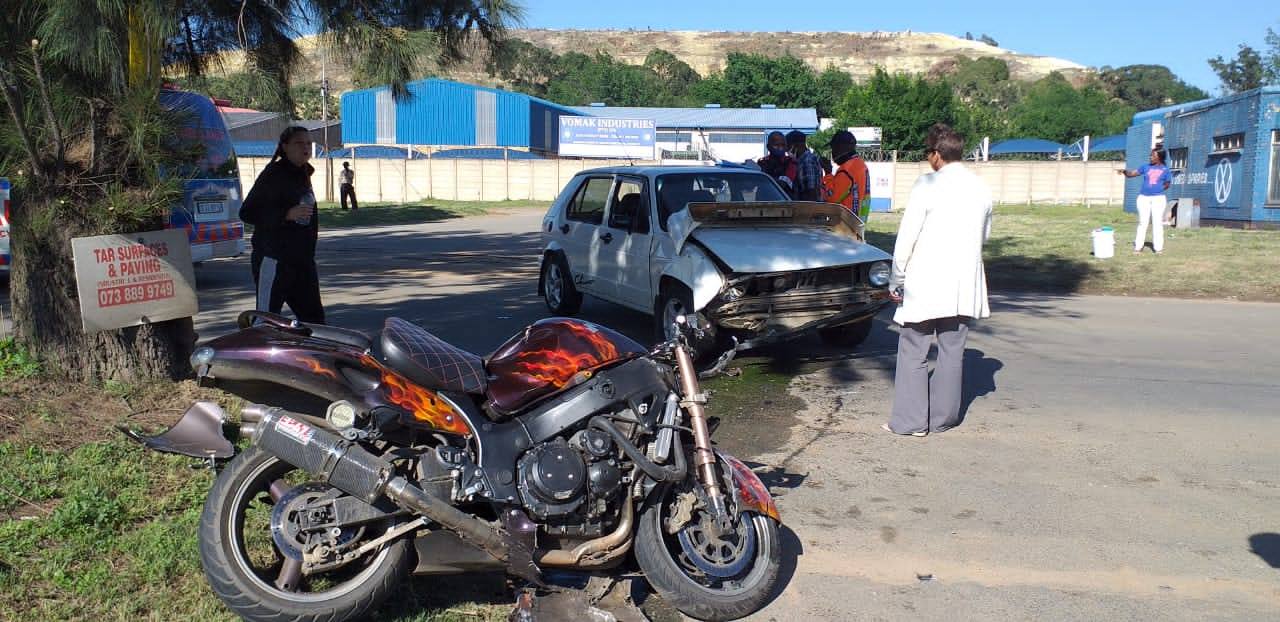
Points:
(940, 285)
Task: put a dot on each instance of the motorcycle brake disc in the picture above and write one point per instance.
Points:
(718, 556)
(286, 528)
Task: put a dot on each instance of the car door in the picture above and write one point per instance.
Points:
(580, 234)
(625, 242)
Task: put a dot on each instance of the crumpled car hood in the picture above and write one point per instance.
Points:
(780, 249)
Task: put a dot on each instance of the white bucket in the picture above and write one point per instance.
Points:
(1104, 243)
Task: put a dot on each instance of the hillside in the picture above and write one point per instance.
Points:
(858, 53)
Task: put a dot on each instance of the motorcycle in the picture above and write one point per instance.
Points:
(570, 448)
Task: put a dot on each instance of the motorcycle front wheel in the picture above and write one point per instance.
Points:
(243, 561)
(708, 576)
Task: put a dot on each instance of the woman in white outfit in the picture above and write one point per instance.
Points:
(940, 284)
(1151, 202)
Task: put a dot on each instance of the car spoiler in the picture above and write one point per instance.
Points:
(831, 216)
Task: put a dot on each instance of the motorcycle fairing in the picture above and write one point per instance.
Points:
(197, 434)
(751, 492)
(423, 405)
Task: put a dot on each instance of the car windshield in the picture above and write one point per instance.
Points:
(677, 190)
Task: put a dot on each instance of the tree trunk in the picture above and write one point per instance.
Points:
(46, 312)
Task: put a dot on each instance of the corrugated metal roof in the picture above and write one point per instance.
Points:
(244, 119)
(313, 125)
(254, 148)
(1147, 116)
(382, 152)
(1026, 145)
(492, 153)
(707, 118)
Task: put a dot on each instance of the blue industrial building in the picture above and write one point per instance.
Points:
(442, 113)
(445, 113)
(1224, 154)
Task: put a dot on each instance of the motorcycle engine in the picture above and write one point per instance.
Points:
(553, 477)
(558, 479)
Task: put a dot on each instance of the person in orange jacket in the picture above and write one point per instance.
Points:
(850, 184)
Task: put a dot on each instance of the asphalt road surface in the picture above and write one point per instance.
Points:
(1118, 458)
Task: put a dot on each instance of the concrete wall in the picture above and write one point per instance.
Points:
(380, 180)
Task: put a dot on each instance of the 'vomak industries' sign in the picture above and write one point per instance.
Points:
(596, 137)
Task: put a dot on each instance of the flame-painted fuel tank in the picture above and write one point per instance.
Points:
(551, 355)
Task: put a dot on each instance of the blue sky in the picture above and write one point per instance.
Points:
(1176, 33)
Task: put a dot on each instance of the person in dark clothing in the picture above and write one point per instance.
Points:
(281, 206)
(779, 164)
(808, 186)
(347, 185)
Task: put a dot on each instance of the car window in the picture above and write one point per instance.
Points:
(630, 207)
(588, 205)
(677, 190)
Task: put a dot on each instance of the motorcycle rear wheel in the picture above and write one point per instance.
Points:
(247, 570)
(667, 565)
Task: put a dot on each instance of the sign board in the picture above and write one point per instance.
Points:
(597, 137)
(4, 223)
(866, 136)
(132, 279)
(881, 185)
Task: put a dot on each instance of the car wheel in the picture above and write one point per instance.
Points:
(558, 292)
(676, 300)
(847, 335)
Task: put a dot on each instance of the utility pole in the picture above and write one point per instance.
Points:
(324, 122)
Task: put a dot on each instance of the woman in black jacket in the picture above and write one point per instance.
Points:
(281, 206)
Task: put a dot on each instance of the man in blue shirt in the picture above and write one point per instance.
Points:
(1151, 202)
(808, 168)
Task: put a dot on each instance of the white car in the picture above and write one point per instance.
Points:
(724, 243)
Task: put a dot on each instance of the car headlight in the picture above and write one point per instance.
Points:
(733, 293)
(878, 274)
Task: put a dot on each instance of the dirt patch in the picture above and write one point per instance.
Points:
(61, 415)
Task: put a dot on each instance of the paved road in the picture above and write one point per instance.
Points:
(1117, 461)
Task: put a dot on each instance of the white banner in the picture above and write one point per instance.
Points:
(138, 278)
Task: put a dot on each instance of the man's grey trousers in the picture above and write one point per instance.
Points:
(921, 403)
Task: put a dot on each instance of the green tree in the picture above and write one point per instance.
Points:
(750, 80)
(984, 94)
(1055, 110)
(1148, 86)
(1271, 62)
(1242, 73)
(675, 77)
(833, 84)
(84, 135)
(902, 106)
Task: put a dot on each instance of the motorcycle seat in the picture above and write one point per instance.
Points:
(429, 361)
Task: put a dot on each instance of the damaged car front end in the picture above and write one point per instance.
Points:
(787, 269)
(782, 305)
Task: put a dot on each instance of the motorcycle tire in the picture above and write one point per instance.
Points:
(252, 592)
(749, 591)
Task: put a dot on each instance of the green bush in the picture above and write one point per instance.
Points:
(16, 362)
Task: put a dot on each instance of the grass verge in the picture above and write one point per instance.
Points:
(93, 527)
(332, 216)
(1048, 249)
